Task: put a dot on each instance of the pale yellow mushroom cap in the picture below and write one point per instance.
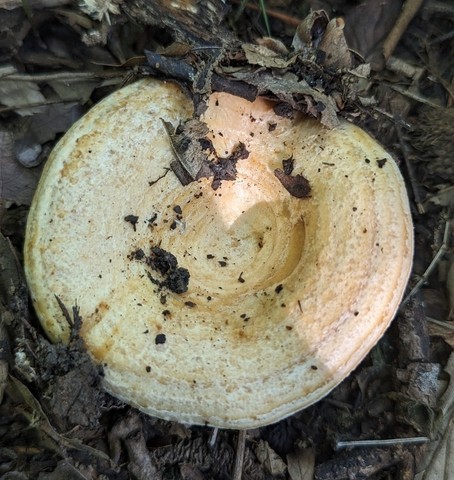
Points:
(286, 295)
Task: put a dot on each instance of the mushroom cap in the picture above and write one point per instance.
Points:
(286, 295)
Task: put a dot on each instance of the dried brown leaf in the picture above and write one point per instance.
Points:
(187, 150)
(335, 46)
(310, 31)
(447, 334)
(265, 57)
(288, 89)
(297, 185)
(273, 44)
(175, 49)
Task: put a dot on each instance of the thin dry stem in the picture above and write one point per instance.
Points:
(409, 10)
(239, 456)
(433, 263)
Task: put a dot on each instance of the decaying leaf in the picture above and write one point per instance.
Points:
(195, 156)
(38, 419)
(442, 465)
(444, 197)
(438, 462)
(367, 24)
(445, 330)
(301, 463)
(187, 149)
(272, 462)
(297, 185)
(175, 49)
(34, 131)
(73, 91)
(446, 404)
(335, 46)
(99, 9)
(273, 44)
(17, 183)
(24, 97)
(310, 31)
(296, 93)
(265, 57)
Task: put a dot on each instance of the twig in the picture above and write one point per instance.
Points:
(441, 323)
(213, 437)
(239, 455)
(66, 76)
(398, 65)
(177, 68)
(4, 358)
(409, 10)
(411, 174)
(433, 264)
(443, 8)
(34, 105)
(339, 445)
(414, 96)
(397, 121)
(442, 38)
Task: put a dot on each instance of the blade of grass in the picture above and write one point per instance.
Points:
(265, 17)
(262, 7)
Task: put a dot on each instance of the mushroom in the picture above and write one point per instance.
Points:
(233, 306)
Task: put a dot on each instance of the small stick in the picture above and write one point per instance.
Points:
(60, 76)
(409, 10)
(339, 445)
(433, 264)
(213, 437)
(441, 323)
(438, 7)
(411, 174)
(239, 455)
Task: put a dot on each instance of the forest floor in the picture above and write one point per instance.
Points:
(57, 59)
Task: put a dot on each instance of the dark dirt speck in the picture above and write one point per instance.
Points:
(132, 219)
(160, 339)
